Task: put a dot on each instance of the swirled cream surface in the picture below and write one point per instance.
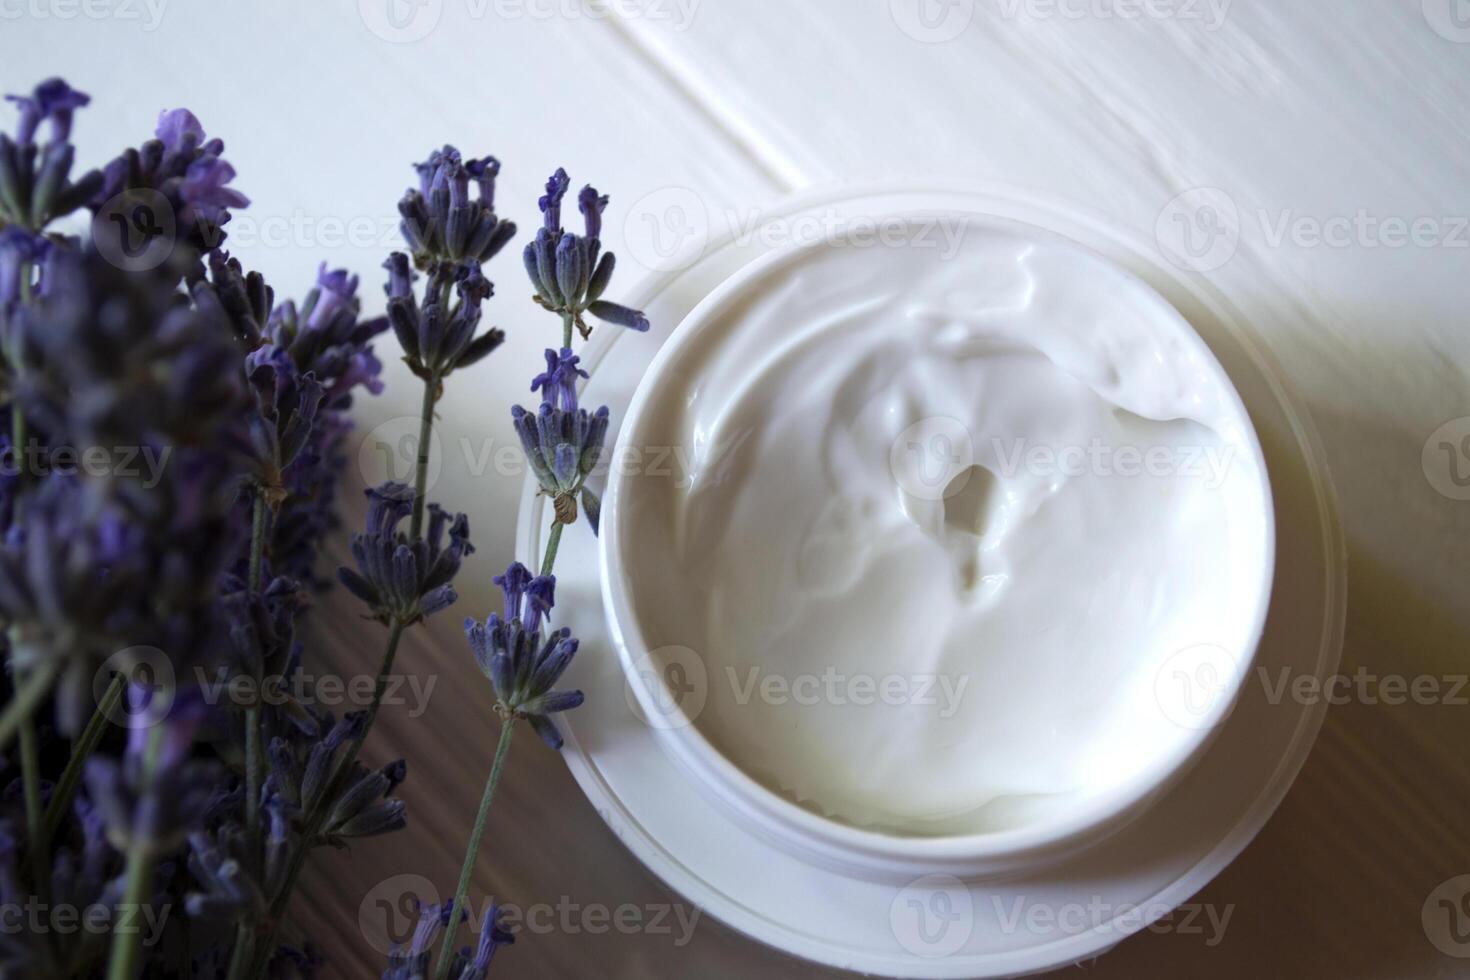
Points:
(935, 516)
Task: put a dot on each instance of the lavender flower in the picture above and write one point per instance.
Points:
(326, 337)
(286, 403)
(34, 193)
(366, 807)
(187, 172)
(401, 580)
(562, 441)
(440, 338)
(441, 223)
(231, 295)
(325, 340)
(571, 272)
(412, 961)
(511, 652)
(111, 358)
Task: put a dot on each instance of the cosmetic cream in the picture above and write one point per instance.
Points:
(940, 518)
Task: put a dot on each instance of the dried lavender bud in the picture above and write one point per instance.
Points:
(178, 173)
(441, 223)
(439, 338)
(35, 181)
(571, 272)
(524, 668)
(399, 579)
(562, 441)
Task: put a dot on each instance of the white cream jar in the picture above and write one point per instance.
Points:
(940, 547)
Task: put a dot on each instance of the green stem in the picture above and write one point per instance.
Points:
(30, 767)
(243, 952)
(317, 815)
(254, 758)
(566, 329)
(467, 870)
(553, 541)
(421, 465)
(258, 525)
(127, 946)
(81, 751)
(28, 695)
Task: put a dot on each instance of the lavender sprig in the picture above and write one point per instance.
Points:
(523, 668)
(571, 272)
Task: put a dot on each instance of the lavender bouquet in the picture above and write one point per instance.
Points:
(174, 446)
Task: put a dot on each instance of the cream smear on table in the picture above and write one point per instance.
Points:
(942, 516)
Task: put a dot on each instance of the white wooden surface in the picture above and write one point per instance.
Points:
(1300, 114)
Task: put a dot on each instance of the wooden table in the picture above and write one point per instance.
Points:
(1325, 124)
